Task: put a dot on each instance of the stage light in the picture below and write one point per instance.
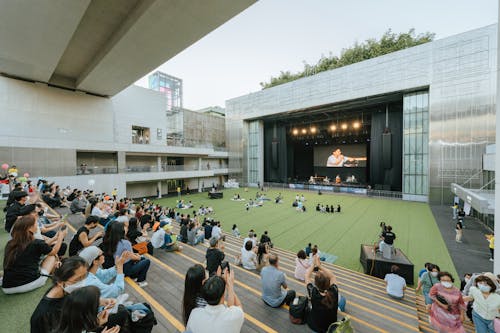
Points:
(356, 125)
(304, 131)
(344, 126)
(333, 128)
(313, 130)
(295, 131)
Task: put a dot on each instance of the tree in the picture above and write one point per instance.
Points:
(371, 48)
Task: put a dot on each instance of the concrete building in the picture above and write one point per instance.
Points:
(71, 113)
(439, 99)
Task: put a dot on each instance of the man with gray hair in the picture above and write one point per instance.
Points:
(215, 255)
(272, 281)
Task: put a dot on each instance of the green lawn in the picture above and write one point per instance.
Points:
(339, 234)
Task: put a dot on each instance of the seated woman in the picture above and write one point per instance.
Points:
(136, 235)
(248, 256)
(194, 234)
(262, 256)
(79, 313)
(114, 244)
(302, 263)
(324, 297)
(236, 232)
(23, 271)
(195, 278)
(100, 277)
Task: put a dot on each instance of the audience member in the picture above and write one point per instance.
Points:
(324, 297)
(463, 283)
(23, 269)
(236, 232)
(14, 210)
(301, 265)
(114, 244)
(427, 281)
(395, 284)
(194, 234)
(448, 308)
(139, 238)
(193, 283)
(79, 313)
(273, 280)
(216, 230)
(101, 278)
(78, 203)
(214, 256)
(308, 249)
(81, 239)
(486, 304)
(248, 256)
(265, 239)
(262, 256)
(217, 316)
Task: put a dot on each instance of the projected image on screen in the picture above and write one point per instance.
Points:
(340, 156)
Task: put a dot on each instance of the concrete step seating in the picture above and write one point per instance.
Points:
(369, 308)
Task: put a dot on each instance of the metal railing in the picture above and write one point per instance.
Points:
(95, 170)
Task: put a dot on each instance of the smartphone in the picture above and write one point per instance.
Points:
(64, 227)
(316, 269)
(224, 265)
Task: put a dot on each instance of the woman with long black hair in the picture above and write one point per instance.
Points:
(79, 313)
(22, 269)
(195, 277)
(114, 244)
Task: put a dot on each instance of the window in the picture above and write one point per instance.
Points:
(140, 135)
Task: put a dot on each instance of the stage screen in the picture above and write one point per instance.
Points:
(340, 156)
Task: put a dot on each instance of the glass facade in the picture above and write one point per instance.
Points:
(416, 145)
(255, 130)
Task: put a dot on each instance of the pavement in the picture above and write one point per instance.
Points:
(473, 254)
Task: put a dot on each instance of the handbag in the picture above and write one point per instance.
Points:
(441, 299)
(141, 248)
(298, 310)
(342, 326)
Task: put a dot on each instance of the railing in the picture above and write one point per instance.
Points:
(167, 168)
(385, 194)
(180, 142)
(96, 170)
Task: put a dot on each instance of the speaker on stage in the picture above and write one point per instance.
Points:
(387, 150)
(274, 154)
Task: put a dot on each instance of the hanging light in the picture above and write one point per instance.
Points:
(333, 128)
(344, 126)
(356, 125)
(304, 131)
(312, 130)
(295, 131)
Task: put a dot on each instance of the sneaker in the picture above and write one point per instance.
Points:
(142, 284)
(491, 259)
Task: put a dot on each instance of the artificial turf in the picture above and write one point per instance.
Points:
(341, 234)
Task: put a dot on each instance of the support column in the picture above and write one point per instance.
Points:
(158, 184)
(496, 263)
(199, 163)
(158, 161)
(121, 161)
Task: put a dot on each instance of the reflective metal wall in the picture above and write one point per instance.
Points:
(459, 74)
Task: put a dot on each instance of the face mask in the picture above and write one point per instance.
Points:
(72, 287)
(447, 284)
(434, 274)
(484, 288)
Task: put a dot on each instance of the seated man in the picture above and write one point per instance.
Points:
(395, 284)
(81, 239)
(272, 281)
(217, 316)
(79, 203)
(214, 256)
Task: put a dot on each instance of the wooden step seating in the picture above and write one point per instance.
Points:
(368, 306)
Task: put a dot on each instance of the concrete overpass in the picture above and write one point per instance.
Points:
(101, 46)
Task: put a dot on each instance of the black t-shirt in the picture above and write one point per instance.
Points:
(184, 233)
(26, 267)
(389, 237)
(214, 258)
(75, 245)
(320, 317)
(208, 231)
(265, 239)
(132, 235)
(146, 218)
(13, 212)
(47, 314)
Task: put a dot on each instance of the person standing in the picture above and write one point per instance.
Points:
(427, 281)
(272, 281)
(459, 231)
(486, 304)
(491, 241)
(448, 307)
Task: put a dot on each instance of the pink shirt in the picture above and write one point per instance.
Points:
(301, 265)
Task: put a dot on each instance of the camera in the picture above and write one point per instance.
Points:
(224, 265)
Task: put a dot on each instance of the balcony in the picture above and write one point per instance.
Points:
(95, 170)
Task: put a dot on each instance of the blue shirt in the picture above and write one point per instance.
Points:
(101, 280)
(272, 280)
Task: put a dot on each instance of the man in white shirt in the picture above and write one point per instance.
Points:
(217, 316)
(395, 284)
(217, 231)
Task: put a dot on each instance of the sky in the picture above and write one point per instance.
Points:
(278, 35)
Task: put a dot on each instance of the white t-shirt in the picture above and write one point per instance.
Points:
(216, 232)
(395, 284)
(248, 259)
(158, 238)
(252, 239)
(215, 318)
(486, 308)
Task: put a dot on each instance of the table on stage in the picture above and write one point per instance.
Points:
(376, 265)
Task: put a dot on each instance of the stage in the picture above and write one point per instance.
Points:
(376, 265)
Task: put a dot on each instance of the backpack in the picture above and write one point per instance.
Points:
(342, 326)
(146, 323)
(298, 310)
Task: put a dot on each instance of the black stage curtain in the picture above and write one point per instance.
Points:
(386, 171)
(275, 153)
